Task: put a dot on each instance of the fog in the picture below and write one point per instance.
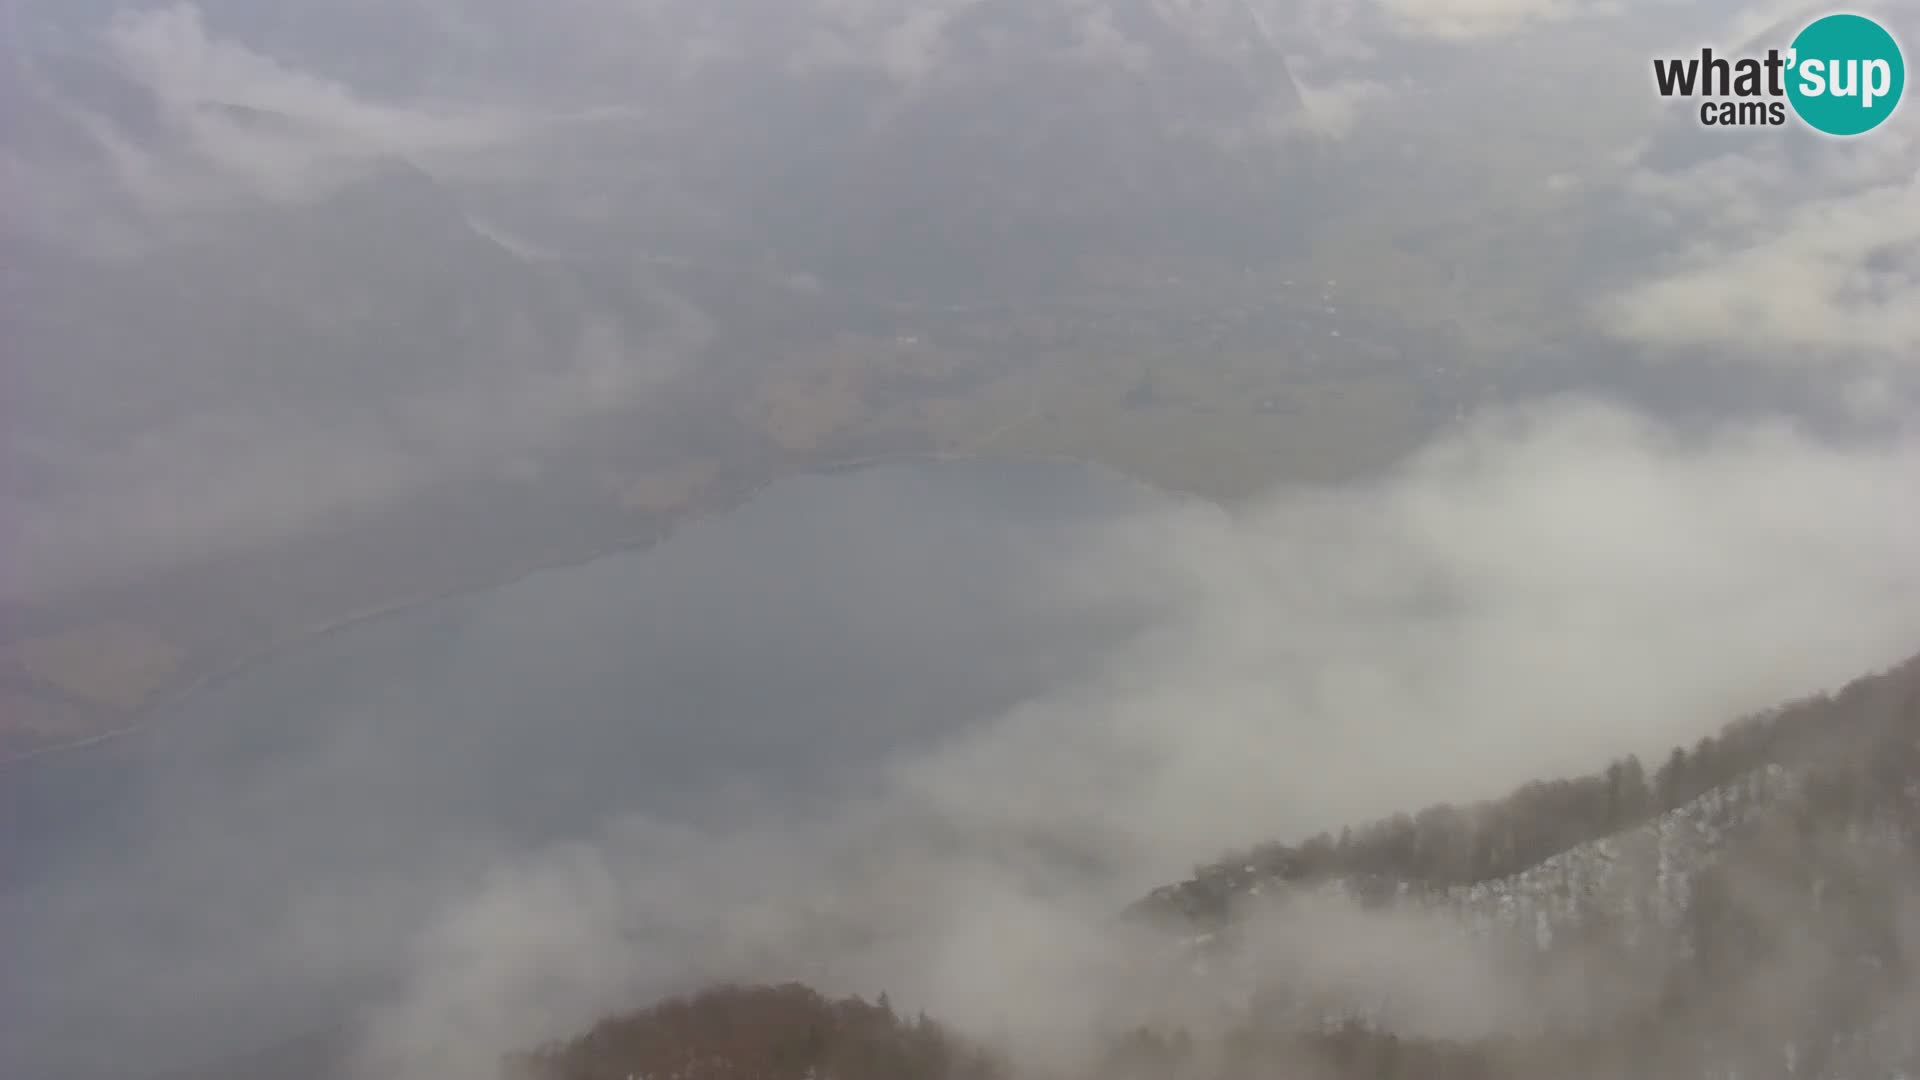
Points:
(157, 145)
(1534, 592)
(1526, 597)
(250, 868)
(287, 281)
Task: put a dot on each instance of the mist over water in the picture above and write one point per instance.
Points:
(260, 860)
(916, 729)
(310, 305)
(1536, 592)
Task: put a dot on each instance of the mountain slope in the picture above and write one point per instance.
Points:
(1757, 919)
(1748, 911)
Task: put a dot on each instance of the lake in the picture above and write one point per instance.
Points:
(259, 859)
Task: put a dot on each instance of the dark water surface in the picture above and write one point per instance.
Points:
(249, 866)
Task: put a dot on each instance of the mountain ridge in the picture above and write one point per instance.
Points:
(1621, 796)
(1760, 926)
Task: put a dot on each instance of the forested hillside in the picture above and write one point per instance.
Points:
(760, 1033)
(1748, 909)
(1867, 728)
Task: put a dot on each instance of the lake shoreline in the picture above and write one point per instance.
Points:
(147, 716)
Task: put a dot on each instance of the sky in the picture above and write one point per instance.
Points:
(1543, 584)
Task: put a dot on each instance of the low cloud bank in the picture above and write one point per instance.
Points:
(1544, 588)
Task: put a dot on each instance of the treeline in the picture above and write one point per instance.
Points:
(1795, 944)
(1797, 959)
(1463, 845)
(1355, 1051)
(1647, 1048)
(785, 1032)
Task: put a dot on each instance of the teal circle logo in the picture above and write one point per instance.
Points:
(1847, 74)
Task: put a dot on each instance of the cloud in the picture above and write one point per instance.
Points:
(1463, 20)
(171, 51)
(1529, 595)
(205, 483)
(166, 426)
(1333, 108)
(905, 44)
(911, 50)
(1837, 275)
(1800, 255)
(1547, 587)
(233, 473)
(1102, 44)
(1551, 586)
(300, 134)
